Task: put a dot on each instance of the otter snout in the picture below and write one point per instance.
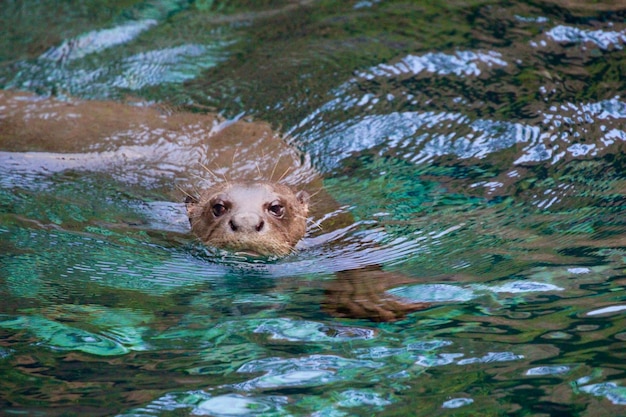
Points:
(246, 223)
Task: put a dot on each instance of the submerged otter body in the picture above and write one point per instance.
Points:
(153, 147)
(254, 218)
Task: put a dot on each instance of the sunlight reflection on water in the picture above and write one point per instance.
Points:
(422, 136)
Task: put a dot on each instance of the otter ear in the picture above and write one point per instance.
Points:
(191, 203)
(303, 197)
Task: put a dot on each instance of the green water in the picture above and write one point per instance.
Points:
(479, 146)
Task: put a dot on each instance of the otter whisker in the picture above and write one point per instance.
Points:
(202, 180)
(315, 193)
(318, 226)
(314, 223)
(223, 173)
(181, 189)
(274, 168)
(232, 162)
(284, 174)
(224, 178)
(207, 169)
(196, 190)
(200, 177)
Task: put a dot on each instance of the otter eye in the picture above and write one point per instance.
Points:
(218, 209)
(276, 209)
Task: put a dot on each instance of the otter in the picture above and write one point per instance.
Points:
(227, 170)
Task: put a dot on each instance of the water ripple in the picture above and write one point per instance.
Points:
(97, 40)
(548, 370)
(451, 358)
(74, 67)
(461, 63)
(359, 398)
(422, 136)
(306, 331)
(303, 371)
(64, 337)
(602, 38)
(610, 390)
(457, 402)
(170, 65)
(229, 405)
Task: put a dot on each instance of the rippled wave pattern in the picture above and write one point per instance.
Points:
(478, 149)
(88, 64)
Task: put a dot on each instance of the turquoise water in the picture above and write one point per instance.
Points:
(479, 148)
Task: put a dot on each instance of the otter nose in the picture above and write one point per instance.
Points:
(246, 222)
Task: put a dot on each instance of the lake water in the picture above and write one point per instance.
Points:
(480, 148)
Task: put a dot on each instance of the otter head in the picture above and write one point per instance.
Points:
(259, 218)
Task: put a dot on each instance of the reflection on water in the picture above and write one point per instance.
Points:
(80, 66)
(479, 150)
(97, 41)
(604, 39)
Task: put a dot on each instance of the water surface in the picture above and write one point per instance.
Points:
(479, 148)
